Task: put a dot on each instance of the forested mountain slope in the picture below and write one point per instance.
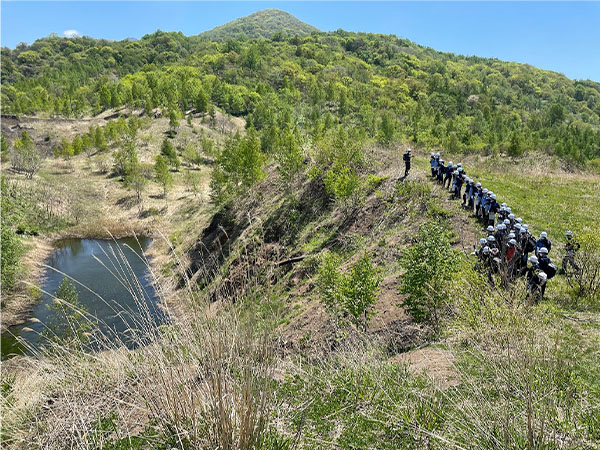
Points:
(386, 87)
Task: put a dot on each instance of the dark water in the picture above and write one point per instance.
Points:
(117, 291)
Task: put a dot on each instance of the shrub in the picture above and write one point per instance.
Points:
(429, 265)
(585, 282)
(349, 295)
(12, 249)
(342, 184)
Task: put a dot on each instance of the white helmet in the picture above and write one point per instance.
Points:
(493, 196)
(511, 235)
(544, 251)
(491, 238)
(525, 226)
(569, 233)
(459, 164)
(504, 205)
(490, 192)
(523, 230)
(482, 241)
(485, 191)
(506, 222)
(518, 226)
(455, 172)
(501, 226)
(512, 241)
(432, 154)
(409, 150)
(460, 169)
(478, 185)
(437, 154)
(450, 163)
(511, 216)
(533, 259)
(441, 160)
(490, 228)
(543, 235)
(519, 220)
(508, 209)
(486, 250)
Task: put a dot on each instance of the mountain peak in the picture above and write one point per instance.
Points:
(260, 24)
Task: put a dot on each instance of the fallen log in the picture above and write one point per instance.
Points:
(293, 260)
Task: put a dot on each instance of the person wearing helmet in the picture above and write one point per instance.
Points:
(492, 210)
(485, 201)
(500, 236)
(482, 244)
(433, 164)
(448, 174)
(571, 248)
(526, 241)
(458, 183)
(490, 230)
(441, 171)
(467, 190)
(511, 217)
(481, 191)
(407, 157)
(513, 259)
(543, 241)
(493, 245)
(536, 278)
(544, 262)
(472, 193)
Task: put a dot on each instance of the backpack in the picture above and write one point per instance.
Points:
(530, 244)
(551, 270)
(406, 157)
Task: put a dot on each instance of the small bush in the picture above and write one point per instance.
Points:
(349, 295)
(429, 265)
(585, 282)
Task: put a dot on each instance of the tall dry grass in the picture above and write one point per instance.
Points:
(196, 381)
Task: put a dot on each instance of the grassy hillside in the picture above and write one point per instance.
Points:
(264, 24)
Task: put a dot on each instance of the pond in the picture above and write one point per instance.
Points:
(113, 285)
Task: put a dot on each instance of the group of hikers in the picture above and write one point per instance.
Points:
(509, 249)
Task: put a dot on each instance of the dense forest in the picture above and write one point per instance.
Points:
(383, 87)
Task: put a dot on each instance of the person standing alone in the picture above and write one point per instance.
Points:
(407, 156)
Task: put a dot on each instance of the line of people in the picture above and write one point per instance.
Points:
(509, 249)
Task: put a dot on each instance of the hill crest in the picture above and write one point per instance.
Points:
(260, 24)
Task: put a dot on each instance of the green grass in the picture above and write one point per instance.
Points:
(549, 203)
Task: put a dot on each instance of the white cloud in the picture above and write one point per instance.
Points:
(71, 33)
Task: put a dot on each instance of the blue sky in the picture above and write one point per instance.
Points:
(564, 37)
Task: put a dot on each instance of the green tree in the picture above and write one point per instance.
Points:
(168, 151)
(136, 181)
(290, 158)
(126, 159)
(162, 173)
(349, 295)
(77, 145)
(429, 264)
(100, 139)
(173, 121)
(387, 128)
(238, 167)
